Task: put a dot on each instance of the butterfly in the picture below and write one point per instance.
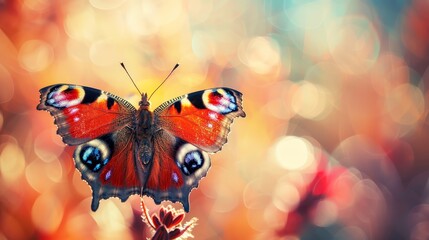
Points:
(123, 151)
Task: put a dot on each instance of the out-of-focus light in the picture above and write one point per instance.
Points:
(47, 212)
(199, 11)
(7, 87)
(80, 224)
(326, 213)
(203, 46)
(351, 233)
(225, 201)
(255, 220)
(405, 104)
(285, 196)
(307, 14)
(35, 55)
(309, 100)
(419, 222)
(194, 74)
(48, 146)
(343, 196)
(256, 195)
(80, 23)
(368, 194)
(293, 153)
(389, 71)
(166, 11)
(105, 52)
(225, 196)
(260, 54)
(142, 24)
(37, 5)
(354, 44)
(77, 50)
(420, 230)
(79, 185)
(413, 31)
(106, 4)
(273, 217)
(111, 221)
(12, 161)
(150, 17)
(54, 171)
(38, 176)
(289, 15)
(326, 74)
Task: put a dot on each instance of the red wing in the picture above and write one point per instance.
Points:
(84, 113)
(107, 164)
(176, 169)
(201, 118)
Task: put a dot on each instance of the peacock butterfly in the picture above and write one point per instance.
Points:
(122, 150)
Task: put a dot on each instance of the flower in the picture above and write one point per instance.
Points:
(168, 224)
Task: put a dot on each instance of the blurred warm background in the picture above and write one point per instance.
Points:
(335, 144)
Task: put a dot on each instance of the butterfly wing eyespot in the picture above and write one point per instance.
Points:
(84, 113)
(176, 169)
(191, 160)
(94, 154)
(202, 118)
(107, 164)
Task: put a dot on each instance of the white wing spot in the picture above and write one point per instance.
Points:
(213, 115)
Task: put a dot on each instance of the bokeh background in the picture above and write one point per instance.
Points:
(335, 144)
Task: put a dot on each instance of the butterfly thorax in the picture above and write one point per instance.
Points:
(144, 120)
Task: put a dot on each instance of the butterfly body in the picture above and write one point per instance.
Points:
(123, 151)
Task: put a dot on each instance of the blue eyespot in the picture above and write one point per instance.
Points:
(192, 161)
(92, 158)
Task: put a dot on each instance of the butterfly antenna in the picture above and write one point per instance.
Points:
(174, 68)
(123, 66)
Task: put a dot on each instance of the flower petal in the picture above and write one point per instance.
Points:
(168, 219)
(161, 214)
(156, 221)
(175, 233)
(161, 234)
(177, 220)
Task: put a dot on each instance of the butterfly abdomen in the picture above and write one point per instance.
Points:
(144, 130)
